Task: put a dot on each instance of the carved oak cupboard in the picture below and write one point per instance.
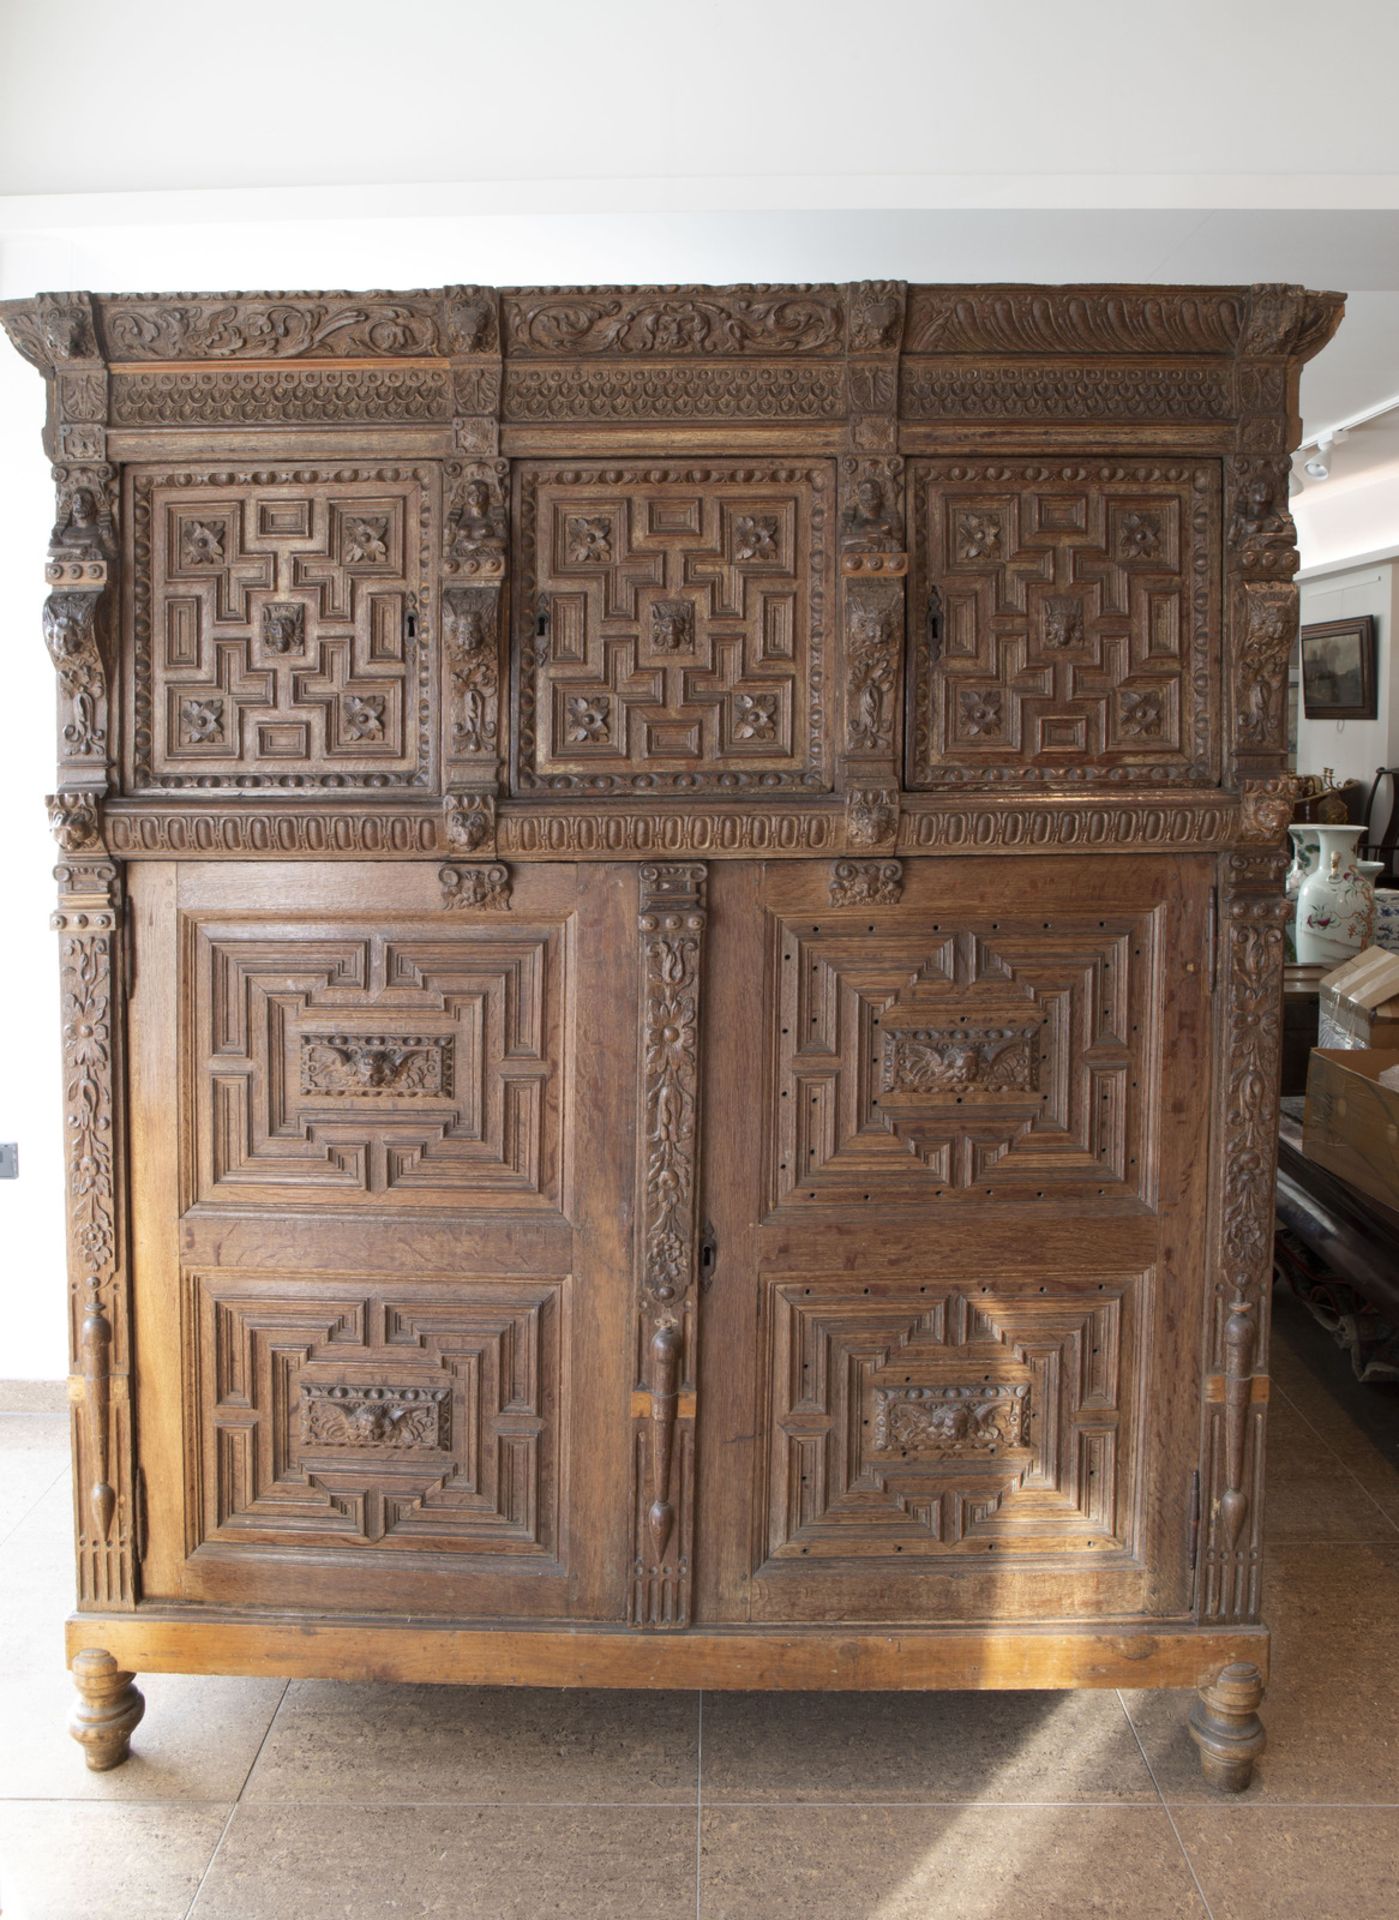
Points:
(670, 949)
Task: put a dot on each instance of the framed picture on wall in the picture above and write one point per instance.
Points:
(1338, 669)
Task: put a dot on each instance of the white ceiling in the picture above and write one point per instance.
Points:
(902, 94)
(149, 144)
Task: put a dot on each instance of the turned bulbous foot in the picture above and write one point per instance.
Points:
(1224, 1725)
(108, 1709)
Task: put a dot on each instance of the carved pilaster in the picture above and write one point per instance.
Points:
(1250, 964)
(1281, 326)
(671, 924)
(873, 542)
(89, 922)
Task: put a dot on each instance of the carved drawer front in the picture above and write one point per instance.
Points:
(361, 1413)
(371, 1064)
(948, 1418)
(1066, 622)
(282, 629)
(672, 627)
(943, 1056)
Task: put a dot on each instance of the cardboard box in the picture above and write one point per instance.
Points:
(1360, 1001)
(1352, 1121)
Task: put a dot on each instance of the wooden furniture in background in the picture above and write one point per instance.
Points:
(670, 925)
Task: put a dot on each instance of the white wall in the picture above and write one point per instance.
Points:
(33, 1339)
(1355, 747)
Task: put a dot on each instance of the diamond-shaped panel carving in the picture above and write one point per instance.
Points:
(421, 1066)
(360, 1414)
(282, 628)
(672, 627)
(951, 1418)
(1010, 1058)
(1072, 617)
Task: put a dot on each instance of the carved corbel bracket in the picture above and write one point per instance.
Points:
(480, 889)
(671, 925)
(75, 819)
(469, 820)
(874, 334)
(471, 336)
(867, 883)
(872, 818)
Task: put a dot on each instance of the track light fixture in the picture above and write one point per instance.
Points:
(1318, 464)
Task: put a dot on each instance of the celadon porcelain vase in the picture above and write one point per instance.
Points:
(1335, 903)
(1304, 854)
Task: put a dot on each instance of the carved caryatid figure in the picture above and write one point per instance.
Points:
(869, 524)
(476, 525)
(84, 525)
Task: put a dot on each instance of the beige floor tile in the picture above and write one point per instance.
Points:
(34, 1449)
(974, 1863)
(1257, 1863)
(1312, 1493)
(1332, 1709)
(912, 1747)
(478, 1745)
(197, 1741)
(1375, 1465)
(64, 1862)
(456, 1863)
(34, 1396)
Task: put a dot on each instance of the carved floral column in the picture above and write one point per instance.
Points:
(475, 538)
(89, 925)
(671, 923)
(1281, 327)
(873, 569)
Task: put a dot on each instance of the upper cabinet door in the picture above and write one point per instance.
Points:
(282, 627)
(1066, 622)
(672, 625)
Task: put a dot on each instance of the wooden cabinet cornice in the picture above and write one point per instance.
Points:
(670, 934)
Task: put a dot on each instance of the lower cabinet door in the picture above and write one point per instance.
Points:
(384, 1158)
(955, 1167)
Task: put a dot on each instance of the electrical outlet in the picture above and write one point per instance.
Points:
(9, 1160)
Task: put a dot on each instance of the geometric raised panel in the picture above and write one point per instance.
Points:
(1007, 1058)
(951, 1419)
(1068, 623)
(282, 632)
(420, 1065)
(672, 627)
(361, 1414)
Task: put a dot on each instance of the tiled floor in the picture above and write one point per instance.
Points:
(254, 1800)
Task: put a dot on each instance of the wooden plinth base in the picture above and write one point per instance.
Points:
(953, 1658)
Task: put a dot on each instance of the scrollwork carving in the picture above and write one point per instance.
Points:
(674, 320)
(867, 883)
(277, 326)
(482, 889)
